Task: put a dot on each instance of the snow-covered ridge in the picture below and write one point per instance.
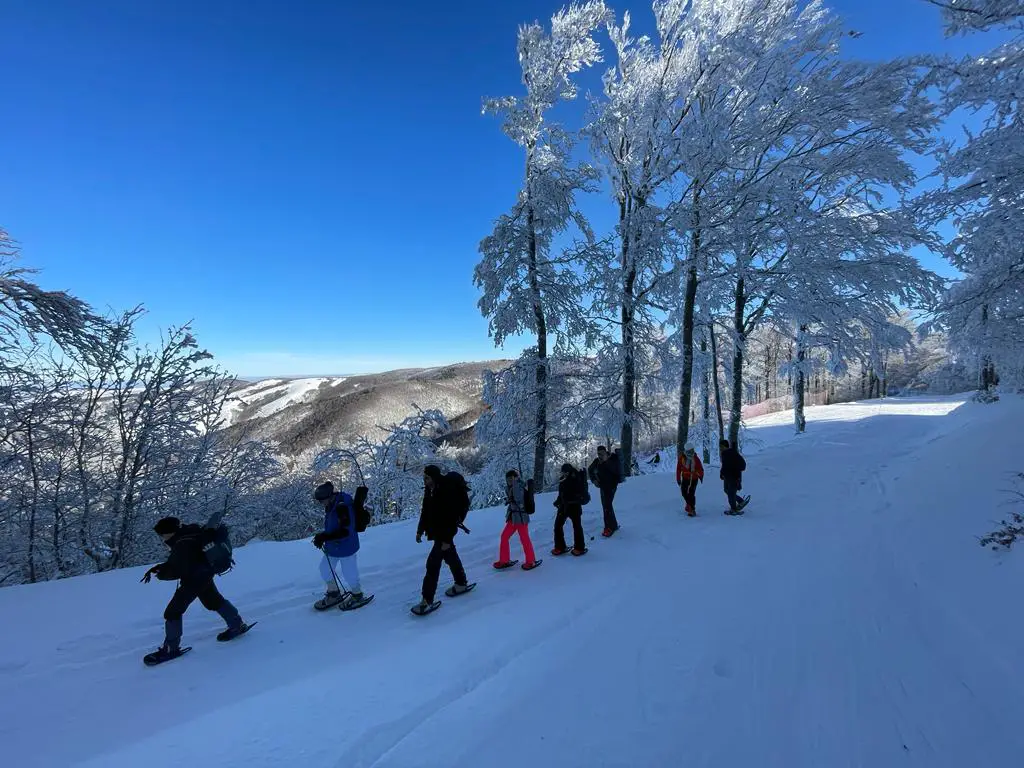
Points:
(273, 396)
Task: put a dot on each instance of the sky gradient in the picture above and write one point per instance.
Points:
(306, 182)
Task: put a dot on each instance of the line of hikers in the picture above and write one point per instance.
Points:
(199, 553)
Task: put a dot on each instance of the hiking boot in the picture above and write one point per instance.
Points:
(331, 598)
(352, 599)
(577, 552)
(559, 551)
(458, 589)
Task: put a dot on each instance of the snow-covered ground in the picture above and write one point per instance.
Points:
(274, 395)
(848, 619)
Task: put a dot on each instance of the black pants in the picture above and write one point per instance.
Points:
(434, 560)
(207, 594)
(607, 497)
(689, 493)
(732, 487)
(573, 512)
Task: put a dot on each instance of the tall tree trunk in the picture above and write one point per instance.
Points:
(541, 371)
(801, 382)
(714, 378)
(705, 393)
(739, 342)
(628, 316)
(689, 300)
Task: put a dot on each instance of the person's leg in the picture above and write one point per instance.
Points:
(350, 574)
(330, 582)
(524, 536)
(606, 507)
(730, 492)
(173, 614)
(503, 549)
(213, 600)
(434, 560)
(454, 562)
(579, 541)
(560, 519)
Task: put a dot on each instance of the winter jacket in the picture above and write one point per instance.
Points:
(689, 472)
(607, 473)
(439, 516)
(186, 561)
(340, 536)
(570, 493)
(733, 465)
(515, 497)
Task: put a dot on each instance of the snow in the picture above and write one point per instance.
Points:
(275, 395)
(848, 619)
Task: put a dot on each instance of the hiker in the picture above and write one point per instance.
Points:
(606, 474)
(733, 467)
(339, 541)
(689, 472)
(572, 495)
(440, 519)
(517, 520)
(187, 564)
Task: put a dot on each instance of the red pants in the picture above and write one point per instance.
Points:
(524, 535)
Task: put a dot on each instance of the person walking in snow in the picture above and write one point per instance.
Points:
(339, 541)
(689, 472)
(187, 565)
(517, 520)
(572, 495)
(440, 519)
(733, 466)
(606, 474)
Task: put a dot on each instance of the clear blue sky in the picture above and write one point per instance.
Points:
(306, 181)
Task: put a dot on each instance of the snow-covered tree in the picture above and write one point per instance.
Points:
(983, 190)
(528, 287)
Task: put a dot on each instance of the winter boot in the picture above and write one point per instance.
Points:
(162, 654)
(354, 600)
(559, 551)
(232, 632)
(579, 552)
(330, 599)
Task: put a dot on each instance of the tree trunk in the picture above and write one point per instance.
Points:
(714, 378)
(800, 386)
(628, 339)
(739, 342)
(705, 394)
(541, 371)
(689, 300)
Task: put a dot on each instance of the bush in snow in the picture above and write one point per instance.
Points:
(1006, 535)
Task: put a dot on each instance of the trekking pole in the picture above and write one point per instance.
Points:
(337, 583)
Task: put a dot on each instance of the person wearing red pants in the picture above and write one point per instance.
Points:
(689, 472)
(517, 520)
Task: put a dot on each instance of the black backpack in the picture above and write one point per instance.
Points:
(529, 504)
(363, 515)
(460, 494)
(217, 549)
(584, 486)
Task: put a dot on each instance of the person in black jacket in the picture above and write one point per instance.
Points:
(569, 503)
(733, 466)
(606, 474)
(187, 564)
(439, 522)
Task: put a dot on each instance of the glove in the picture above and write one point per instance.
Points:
(318, 540)
(149, 574)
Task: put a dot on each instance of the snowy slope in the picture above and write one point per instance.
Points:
(849, 619)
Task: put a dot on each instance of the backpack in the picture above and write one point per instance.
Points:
(460, 494)
(584, 486)
(363, 515)
(529, 504)
(217, 550)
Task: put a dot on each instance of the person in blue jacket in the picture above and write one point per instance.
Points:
(339, 541)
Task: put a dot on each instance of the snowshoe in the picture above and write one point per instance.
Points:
(556, 552)
(423, 608)
(162, 654)
(354, 601)
(531, 566)
(232, 633)
(459, 589)
(743, 502)
(579, 552)
(500, 566)
(329, 600)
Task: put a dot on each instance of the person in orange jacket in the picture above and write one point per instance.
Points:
(689, 472)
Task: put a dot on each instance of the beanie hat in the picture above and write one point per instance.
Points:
(433, 470)
(323, 491)
(688, 448)
(167, 525)
(567, 467)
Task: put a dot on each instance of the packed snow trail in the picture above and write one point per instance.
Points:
(848, 619)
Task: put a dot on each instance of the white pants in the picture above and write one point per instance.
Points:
(349, 572)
